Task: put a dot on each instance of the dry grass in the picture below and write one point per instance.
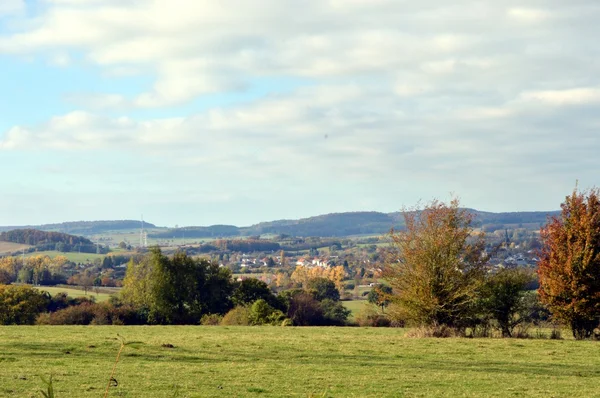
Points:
(9, 247)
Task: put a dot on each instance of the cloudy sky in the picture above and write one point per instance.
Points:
(240, 111)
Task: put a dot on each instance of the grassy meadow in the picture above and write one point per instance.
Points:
(205, 361)
(355, 306)
(99, 297)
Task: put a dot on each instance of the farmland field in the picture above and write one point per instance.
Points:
(71, 256)
(99, 297)
(301, 362)
(10, 247)
(355, 306)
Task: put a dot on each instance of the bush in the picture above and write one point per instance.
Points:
(20, 305)
(285, 297)
(437, 331)
(211, 319)
(278, 318)
(92, 314)
(304, 310)
(82, 314)
(334, 313)
(369, 316)
(323, 289)
(239, 316)
(259, 312)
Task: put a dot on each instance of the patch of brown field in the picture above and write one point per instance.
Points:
(10, 247)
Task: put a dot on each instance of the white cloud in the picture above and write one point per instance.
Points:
(202, 47)
(528, 14)
(392, 93)
(573, 96)
(8, 7)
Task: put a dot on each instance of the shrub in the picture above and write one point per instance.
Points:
(369, 316)
(437, 331)
(261, 313)
(92, 314)
(555, 334)
(211, 319)
(250, 290)
(278, 318)
(323, 289)
(304, 310)
(239, 316)
(20, 305)
(503, 298)
(82, 314)
(334, 312)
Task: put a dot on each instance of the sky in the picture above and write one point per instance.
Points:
(240, 111)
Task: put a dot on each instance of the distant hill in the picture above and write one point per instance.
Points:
(327, 225)
(37, 240)
(353, 223)
(36, 237)
(85, 227)
(213, 231)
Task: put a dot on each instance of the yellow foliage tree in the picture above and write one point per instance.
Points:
(304, 274)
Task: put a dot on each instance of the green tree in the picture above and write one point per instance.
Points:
(252, 289)
(322, 289)
(177, 290)
(569, 267)
(334, 312)
(436, 265)
(503, 298)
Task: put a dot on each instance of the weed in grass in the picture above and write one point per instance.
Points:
(555, 334)
(49, 393)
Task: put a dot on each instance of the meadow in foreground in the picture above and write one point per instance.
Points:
(200, 361)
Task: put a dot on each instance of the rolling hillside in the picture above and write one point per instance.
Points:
(327, 225)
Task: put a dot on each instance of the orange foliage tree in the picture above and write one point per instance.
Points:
(436, 266)
(569, 267)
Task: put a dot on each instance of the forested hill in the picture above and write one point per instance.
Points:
(355, 223)
(328, 225)
(86, 227)
(36, 237)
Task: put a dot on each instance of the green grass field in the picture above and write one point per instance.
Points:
(99, 297)
(355, 306)
(294, 362)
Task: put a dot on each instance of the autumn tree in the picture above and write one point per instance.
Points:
(569, 267)
(436, 265)
(304, 275)
(380, 296)
(20, 305)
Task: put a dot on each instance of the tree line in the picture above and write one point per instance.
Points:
(436, 271)
(440, 278)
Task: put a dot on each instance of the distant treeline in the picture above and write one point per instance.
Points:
(87, 227)
(36, 237)
(213, 231)
(247, 246)
(43, 240)
(328, 225)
